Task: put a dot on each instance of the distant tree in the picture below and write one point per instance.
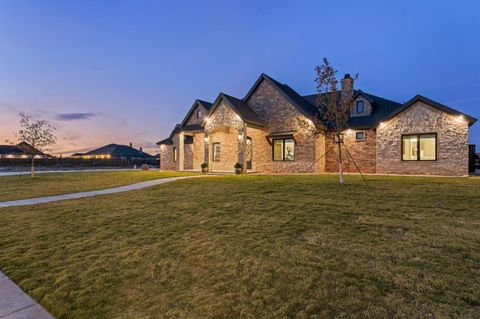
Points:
(334, 107)
(38, 134)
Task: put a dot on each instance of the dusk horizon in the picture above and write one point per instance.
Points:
(118, 72)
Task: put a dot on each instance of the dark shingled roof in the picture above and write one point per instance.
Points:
(381, 110)
(241, 107)
(303, 105)
(11, 150)
(116, 150)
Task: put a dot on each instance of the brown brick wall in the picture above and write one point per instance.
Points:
(452, 142)
(188, 156)
(166, 158)
(281, 116)
(366, 105)
(198, 150)
(193, 117)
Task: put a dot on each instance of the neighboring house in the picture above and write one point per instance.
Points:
(115, 151)
(21, 150)
(272, 129)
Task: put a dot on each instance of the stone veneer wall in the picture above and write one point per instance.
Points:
(166, 158)
(452, 142)
(281, 116)
(188, 156)
(198, 150)
(224, 126)
(363, 152)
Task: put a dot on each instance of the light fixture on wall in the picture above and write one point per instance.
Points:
(240, 136)
(205, 139)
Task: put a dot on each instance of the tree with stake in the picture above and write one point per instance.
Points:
(38, 134)
(334, 108)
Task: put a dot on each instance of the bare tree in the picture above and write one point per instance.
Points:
(38, 134)
(334, 107)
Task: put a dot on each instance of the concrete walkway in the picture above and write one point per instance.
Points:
(47, 199)
(15, 304)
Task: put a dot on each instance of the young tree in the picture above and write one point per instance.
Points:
(38, 134)
(334, 107)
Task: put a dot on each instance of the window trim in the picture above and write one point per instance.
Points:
(283, 146)
(360, 139)
(174, 154)
(418, 147)
(213, 152)
(199, 114)
(363, 107)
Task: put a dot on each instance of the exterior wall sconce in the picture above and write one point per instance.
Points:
(205, 139)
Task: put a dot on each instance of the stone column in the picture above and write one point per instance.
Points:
(242, 147)
(181, 151)
(206, 146)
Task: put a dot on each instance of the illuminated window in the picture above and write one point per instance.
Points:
(216, 152)
(199, 114)
(284, 150)
(419, 147)
(174, 154)
(360, 136)
(360, 106)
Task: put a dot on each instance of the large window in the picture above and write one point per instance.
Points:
(284, 150)
(360, 107)
(216, 152)
(419, 147)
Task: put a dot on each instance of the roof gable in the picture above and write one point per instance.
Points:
(299, 102)
(246, 113)
(471, 120)
(206, 105)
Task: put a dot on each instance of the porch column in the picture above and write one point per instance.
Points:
(181, 151)
(206, 158)
(242, 147)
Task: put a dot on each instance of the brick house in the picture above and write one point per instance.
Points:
(272, 129)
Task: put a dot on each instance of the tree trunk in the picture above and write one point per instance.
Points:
(340, 163)
(32, 167)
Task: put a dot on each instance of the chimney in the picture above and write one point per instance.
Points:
(141, 149)
(131, 142)
(347, 88)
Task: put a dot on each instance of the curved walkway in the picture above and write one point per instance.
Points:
(47, 199)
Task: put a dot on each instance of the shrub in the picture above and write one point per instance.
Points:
(204, 165)
(238, 165)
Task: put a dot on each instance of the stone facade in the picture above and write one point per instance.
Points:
(193, 119)
(452, 142)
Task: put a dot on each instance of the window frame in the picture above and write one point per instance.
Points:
(174, 154)
(283, 149)
(199, 114)
(213, 152)
(418, 135)
(363, 106)
(360, 139)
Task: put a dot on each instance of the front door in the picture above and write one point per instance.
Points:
(249, 153)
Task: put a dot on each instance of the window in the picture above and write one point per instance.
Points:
(174, 154)
(284, 150)
(360, 106)
(216, 152)
(360, 136)
(419, 147)
(199, 114)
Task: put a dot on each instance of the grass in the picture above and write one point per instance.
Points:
(254, 247)
(21, 187)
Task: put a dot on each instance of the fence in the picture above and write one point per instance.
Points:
(77, 162)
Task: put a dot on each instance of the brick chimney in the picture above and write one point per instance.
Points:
(347, 88)
(141, 149)
(131, 144)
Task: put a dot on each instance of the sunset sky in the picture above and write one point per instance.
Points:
(127, 71)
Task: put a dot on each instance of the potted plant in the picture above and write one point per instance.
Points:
(204, 168)
(238, 168)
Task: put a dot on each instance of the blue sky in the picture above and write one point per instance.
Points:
(127, 71)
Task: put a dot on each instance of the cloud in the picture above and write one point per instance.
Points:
(74, 116)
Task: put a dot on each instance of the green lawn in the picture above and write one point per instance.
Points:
(21, 187)
(254, 247)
